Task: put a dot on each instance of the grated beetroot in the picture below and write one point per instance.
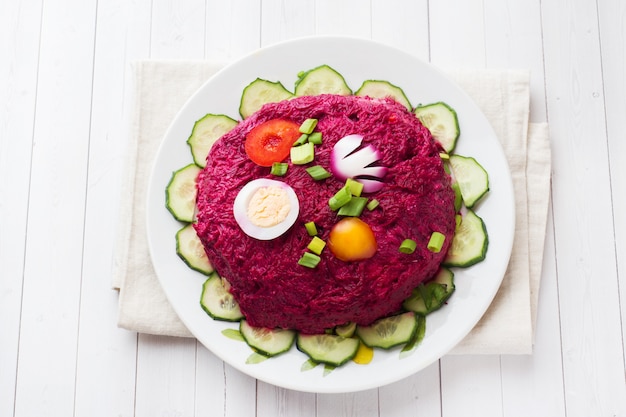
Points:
(266, 280)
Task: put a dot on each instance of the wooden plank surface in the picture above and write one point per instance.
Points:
(593, 359)
(65, 97)
(20, 28)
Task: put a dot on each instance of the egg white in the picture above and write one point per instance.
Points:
(242, 201)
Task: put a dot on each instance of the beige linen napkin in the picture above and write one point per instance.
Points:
(161, 88)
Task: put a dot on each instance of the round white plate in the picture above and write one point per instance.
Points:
(357, 60)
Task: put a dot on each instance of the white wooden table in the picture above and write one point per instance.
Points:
(64, 100)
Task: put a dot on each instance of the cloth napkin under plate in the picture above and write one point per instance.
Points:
(161, 89)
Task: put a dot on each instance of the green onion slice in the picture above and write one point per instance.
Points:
(457, 220)
(436, 242)
(315, 138)
(311, 229)
(279, 168)
(308, 125)
(407, 246)
(354, 207)
(303, 154)
(373, 203)
(318, 172)
(356, 188)
(301, 140)
(316, 245)
(309, 260)
(340, 199)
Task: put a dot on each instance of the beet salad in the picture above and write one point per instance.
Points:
(258, 236)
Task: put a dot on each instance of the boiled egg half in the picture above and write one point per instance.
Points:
(265, 208)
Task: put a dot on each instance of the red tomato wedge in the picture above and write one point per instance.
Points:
(271, 141)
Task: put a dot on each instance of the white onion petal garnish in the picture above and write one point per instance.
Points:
(348, 162)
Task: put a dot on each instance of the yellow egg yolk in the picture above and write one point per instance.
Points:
(268, 206)
(351, 239)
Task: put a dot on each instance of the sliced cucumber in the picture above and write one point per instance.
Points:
(442, 122)
(321, 80)
(445, 278)
(469, 245)
(432, 295)
(204, 134)
(383, 89)
(217, 301)
(191, 251)
(327, 348)
(389, 331)
(268, 342)
(471, 177)
(180, 194)
(260, 92)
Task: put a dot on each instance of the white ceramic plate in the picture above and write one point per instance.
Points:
(357, 60)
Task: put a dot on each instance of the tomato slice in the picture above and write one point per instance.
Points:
(271, 141)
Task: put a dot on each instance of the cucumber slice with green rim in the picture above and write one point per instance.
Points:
(471, 177)
(217, 302)
(469, 245)
(442, 122)
(268, 342)
(191, 251)
(383, 89)
(445, 278)
(204, 134)
(260, 92)
(389, 331)
(327, 348)
(180, 194)
(321, 80)
(430, 296)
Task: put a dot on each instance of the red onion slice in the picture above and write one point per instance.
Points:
(347, 161)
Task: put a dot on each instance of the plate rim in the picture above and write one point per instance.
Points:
(258, 372)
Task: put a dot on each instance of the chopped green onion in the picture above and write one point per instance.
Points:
(457, 220)
(318, 172)
(279, 168)
(301, 155)
(341, 198)
(458, 198)
(356, 188)
(407, 246)
(354, 207)
(373, 203)
(315, 138)
(446, 167)
(436, 242)
(316, 245)
(444, 155)
(308, 125)
(311, 229)
(301, 140)
(310, 260)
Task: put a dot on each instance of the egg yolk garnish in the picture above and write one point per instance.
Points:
(351, 239)
(268, 206)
